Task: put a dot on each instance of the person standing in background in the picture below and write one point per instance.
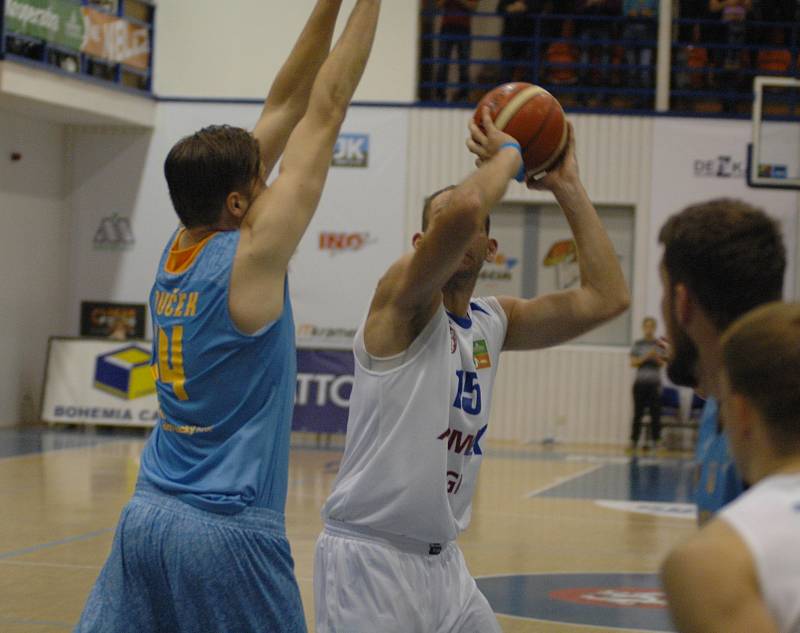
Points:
(734, 17)
(456, 24)
(647, 358)
(518, 23)
(595, 29)
(639, 35)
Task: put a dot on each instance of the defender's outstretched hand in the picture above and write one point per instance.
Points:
(486, 142)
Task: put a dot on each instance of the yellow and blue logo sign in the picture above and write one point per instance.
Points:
(125, 373)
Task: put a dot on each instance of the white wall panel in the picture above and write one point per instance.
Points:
(233, 49)
(574, 394)
(33, 258)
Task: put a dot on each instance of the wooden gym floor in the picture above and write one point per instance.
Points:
(551, 529)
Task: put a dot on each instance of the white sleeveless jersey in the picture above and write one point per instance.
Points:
(767, 518)
(416, 424)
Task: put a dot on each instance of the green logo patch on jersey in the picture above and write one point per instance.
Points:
(480, 354)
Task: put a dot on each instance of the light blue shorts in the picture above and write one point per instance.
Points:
(174, 568)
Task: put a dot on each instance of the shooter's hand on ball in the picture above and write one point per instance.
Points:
(563, 173)
(486, 142)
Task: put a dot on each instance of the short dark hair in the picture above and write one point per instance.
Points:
(203, 168)
(728, 253)
(649, 319)
(761, 354)
(426, 209)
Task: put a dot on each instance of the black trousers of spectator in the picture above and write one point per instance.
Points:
(462, 55)
(646, 397)
(638, 37)
(516, 51)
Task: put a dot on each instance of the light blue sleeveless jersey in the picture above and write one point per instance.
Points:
(718, 482)
(226, 398)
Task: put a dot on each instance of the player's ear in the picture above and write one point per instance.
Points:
(415, 240)
(491, 250)
(236, 204)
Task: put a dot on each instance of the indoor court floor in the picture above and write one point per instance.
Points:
(561, 540)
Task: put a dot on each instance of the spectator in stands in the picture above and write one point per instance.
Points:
(639, 34)
(456, 24)
(594, 31)
(426, 69)
(734, 16)
(648, 359)
(777, 60)
(518, 23)
(688, 11)
(561, 58)
(786, 11)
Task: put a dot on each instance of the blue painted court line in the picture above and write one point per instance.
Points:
(648, 480)
(64, 541)
(61, 625)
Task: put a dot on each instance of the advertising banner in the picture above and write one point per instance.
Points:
(99, 382)
(109, 382)
(324, 384)
(83, 29)
(120, 321)
(115, 39)
(55, 21)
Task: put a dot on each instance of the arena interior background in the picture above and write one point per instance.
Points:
(90, 156)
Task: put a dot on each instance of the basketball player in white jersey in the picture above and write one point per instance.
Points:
(426, 358)
(741, 572)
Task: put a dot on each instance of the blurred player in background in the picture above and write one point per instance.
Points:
(721, 259)
(426, 358)
(741, 572)
(201, 546)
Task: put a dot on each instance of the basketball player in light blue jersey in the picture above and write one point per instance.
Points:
(201, 547)
(741, 572)
(426, 359)
(721, 259)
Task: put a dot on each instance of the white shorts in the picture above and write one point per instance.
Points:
(365, 583)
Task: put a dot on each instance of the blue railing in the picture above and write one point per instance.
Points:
(74, 63)
(721, 77)
(608, 62)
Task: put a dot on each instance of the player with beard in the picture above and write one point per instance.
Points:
(748, 553)
(426, 358)
(721, 259)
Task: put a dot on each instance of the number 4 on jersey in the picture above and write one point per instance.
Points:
(169, 361)
(468, 394)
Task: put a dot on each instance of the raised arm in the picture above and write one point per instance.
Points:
(603, 294)
(455, 218)
(279, 216)
(411, 291)
(288, 97)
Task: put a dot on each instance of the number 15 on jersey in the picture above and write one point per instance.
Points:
(468, 393)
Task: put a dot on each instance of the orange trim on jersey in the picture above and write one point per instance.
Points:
(181, 259)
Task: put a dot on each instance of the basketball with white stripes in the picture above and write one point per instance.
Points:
(533, 117)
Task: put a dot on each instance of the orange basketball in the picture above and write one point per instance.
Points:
(532, 116)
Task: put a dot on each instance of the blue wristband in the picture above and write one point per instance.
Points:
(520, 177)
